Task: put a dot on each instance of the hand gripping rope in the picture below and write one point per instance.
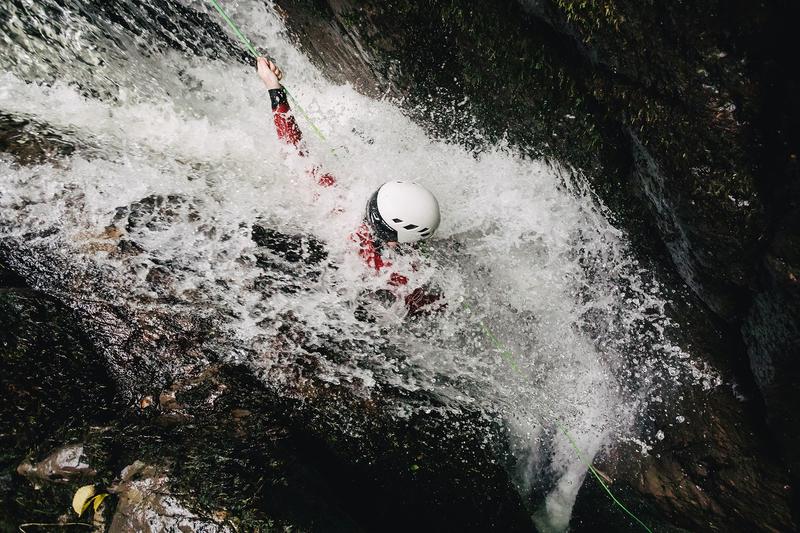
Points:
(246, 42)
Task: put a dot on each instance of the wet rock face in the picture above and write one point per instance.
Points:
(714, 466)
(711, 237)
(452, 61)
(707, 98)
(65, 464)
(685, 118)
(208, 440)
(216, 449)
(9, 279)
(166, 24)
(772, 331)
(710, 473)
(54, 388)
(587, 86)
(146, 505)
(28, 143)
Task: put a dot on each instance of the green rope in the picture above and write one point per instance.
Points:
(302, 111)
(599, 479)
(246, 42)
(511, 360)
(235, 29)
(499, 345)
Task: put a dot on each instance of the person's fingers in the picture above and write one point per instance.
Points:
(275, 69)
(266, 68)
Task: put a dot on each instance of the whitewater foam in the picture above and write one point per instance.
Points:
(525, 251)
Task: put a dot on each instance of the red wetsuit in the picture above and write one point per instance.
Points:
(289, 132)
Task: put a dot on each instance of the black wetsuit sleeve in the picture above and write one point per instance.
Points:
(278, 98)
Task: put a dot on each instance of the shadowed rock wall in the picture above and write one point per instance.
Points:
(684, 116)
(685, 119)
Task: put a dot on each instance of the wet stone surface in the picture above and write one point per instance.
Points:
(54, 389)
(683, 117)
(224, 452)
(677, 117)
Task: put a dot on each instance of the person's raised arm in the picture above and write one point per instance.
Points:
(285, 123)
(288, 130)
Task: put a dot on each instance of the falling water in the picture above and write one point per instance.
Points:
(549, 318)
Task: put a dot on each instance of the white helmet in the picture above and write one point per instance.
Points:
(403, 212)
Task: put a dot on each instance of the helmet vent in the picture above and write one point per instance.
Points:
(410, 226)
(423, 230)
(396, 220)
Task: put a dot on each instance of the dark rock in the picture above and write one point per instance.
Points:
(289, 261)
(54, 389)
(145, 504)
(157, 26)
(714, 465)
(707, 96)
(327, 461)
(345, 64)
(381, 473)
(452, 62)
(63, 465)
(10, 280)
(710, 473)
(685, 120)
(711, 235)
(772, 331)
(31, 143)
(291, 248)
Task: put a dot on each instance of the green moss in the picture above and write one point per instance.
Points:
(594, 14)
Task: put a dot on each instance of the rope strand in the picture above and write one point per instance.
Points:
(235, 29)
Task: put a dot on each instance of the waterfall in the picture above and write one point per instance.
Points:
(548, 319)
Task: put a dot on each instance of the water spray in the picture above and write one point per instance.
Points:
(507, 354)
(511, 360)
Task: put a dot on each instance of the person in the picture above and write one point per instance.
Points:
(398, 212)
